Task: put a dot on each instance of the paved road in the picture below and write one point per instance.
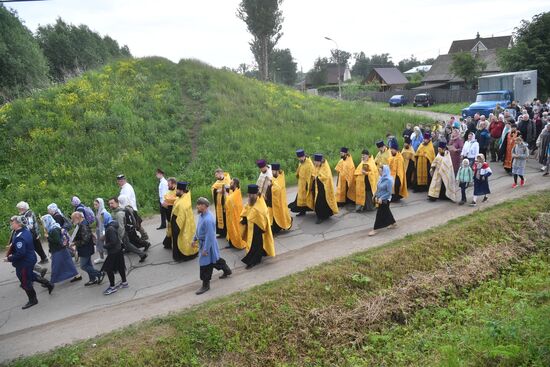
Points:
(160, 286)
(418, 111)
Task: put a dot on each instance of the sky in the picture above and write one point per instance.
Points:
(209, 30)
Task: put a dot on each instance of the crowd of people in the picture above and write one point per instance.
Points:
(442, 160)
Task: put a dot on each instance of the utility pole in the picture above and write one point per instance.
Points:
(338, 63)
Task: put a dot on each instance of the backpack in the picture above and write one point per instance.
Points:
(89, 215)
(67, 224)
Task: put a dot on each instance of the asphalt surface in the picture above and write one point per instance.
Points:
(160, 286)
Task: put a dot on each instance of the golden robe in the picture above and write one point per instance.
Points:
(233, 210)
(303, 174)
(324, 174)
(397, 169)
(408, 156)
(444, 174)
(382, 159)
(258, 214)
(279, 213)
(219, 202)
(424, 157)
(373, 175)
(185, 221)
(346, 180)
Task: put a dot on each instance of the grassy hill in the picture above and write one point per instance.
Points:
(428, 299)
(188, 118)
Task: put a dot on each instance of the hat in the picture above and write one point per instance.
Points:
(182, 185)
(300, 153)
(120, 177)
(203, 201)
(318, 157)
(275, 166)
(343, 150)
(456, 125)
(442, 145)
(253, 189)
(407, 140)
(261, 163)
(379, 144)
(393, 144)
(365, 152)
(427, 135)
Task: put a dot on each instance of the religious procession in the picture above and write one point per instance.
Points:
(444, 160)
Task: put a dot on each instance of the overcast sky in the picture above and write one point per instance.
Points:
(210, 31)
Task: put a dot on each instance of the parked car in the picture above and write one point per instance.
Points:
(398, 100)
(423, 99)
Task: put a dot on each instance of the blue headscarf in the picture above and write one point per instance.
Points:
(386, 176)
(50, 223)
(107, 219)
(54, 208)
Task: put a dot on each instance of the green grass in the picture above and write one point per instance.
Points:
(188, 118)
(494, 319)
(450, 108)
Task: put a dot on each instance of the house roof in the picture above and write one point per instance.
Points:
(390, 76)
(440, 70)
(417, 69)
(492, 43)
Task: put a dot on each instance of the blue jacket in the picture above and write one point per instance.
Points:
(483, 137)
(22, 249)
(206, 235)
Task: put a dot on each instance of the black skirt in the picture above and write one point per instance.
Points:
(322, 209)
(177, 255)
(384, 217)
(114, 263)
(256, 251)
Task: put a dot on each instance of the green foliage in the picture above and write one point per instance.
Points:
(318, 75)
(135, 115)
(71, 50)
(283, 67)
(22, 64)
(364, 64)
(263, 19)
(531, 51)
(451, 108)
(467, 67)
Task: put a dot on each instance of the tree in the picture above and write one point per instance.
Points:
(364, 64)
(264, 19)
(22, 63)
(318, 75)
(407, 64)
(283, 67)
(71, 50)
(531, 50)
(467, 67)
(340, 57)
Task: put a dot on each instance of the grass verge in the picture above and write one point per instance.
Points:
(478, 284)
(450, 108)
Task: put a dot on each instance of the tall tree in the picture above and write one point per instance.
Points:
(264, 19)
(283, 67)
(467, 67)
(340, 57)
(364, 64)
(318, 75)
(531, 50)
(22, 63)
(407, 64)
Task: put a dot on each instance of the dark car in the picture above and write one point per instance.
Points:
(423, 99)
(398, 100)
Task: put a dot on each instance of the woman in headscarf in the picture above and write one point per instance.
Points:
(482, 171)
(62, 263)
(102, 216)
(63, 222)
(384, 216)
(115, 258)
(454, 146)
(416, 138)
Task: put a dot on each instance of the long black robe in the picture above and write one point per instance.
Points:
(176, 253)
(256, 252)
(322, 209)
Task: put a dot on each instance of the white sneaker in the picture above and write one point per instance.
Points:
(99, 261)
(543, 168)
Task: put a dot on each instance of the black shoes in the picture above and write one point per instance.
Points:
(43, 261)
(142, 258)
(30, 304)
(226, 274)
(161, 227)
(76, 279)
(91, 282)
(301, 214)
(205, 288)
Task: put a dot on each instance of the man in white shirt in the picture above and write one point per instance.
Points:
(127, 190)
(163, 189)
(264, 180)
(470, 150)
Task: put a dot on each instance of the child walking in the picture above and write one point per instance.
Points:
(482, 171)
(464, 176)
(520, 153)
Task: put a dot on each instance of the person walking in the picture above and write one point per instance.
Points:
(205, 240)
(384, 216)
(495, 131)
(84, 243)
(119, 215)
(62, 263)
(115, 257)
(22, 257)
(163, 189)
(520, 154)
(101, 215)
(128, 190)
(464, 177)
(32, 224)
(482, 172)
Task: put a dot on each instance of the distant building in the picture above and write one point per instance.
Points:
(388, 78)
(485, 49)
(332, 74)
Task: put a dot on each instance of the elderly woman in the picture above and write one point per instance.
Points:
(454, 146)
(101, 215)
(384, 216)
(416, 138)
(62, 264)
(84, 243)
